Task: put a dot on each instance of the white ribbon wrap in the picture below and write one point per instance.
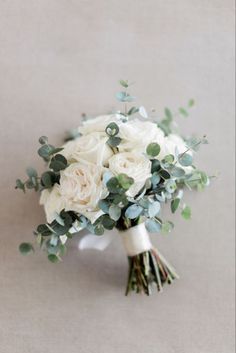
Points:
(136, 240)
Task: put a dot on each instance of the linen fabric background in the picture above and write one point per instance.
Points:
(59, 59)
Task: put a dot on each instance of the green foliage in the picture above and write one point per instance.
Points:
(197, 179)
(119, 184)
(124, 83)
(53, 258)
(133, 211)
(107, 222)
(20, 185)
(185, 159)
(114, 212)
(183, 112)
(186, 212)
(114, 186)
(104, 205)
(153, 149)
(169, 159)
(168, 114)
(170, 186)
(25, 248)
(155, 166)
(112, 129)
(167, 227)
(99, 229)
(191, 103)
(132, 110)
(43, 140)
(47, 150)
(125, 181)
(58, 162)
(48, 179)
(153, 209)
(114, 141)
(155, 180)
(177, 172)
(175, 205)
(164, 174)
(153, 225)
(124, 97)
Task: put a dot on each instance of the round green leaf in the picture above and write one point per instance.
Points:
(53, 258)
(43, 140)
(133, 211)
(107, 222)
(185, 159)
(114, 212)
(125, 181)
(154, 209)
(26, 248)
(114, 141)
(186, 212)
(153, 149)
(153, 226)
(112, 129)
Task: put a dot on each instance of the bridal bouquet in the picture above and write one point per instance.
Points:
(117, 171)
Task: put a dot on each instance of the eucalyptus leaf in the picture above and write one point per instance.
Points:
(114, 212)
(53, 258)
(153, 149)
(43, 140)
(112, 129)
(191, 103)
(153, 226)
(186, 212)
(45, 150)
(125, 181)
(124, 83)
(99, 229)
(154, 209)
(170, 186)
(167, 227)
(104, 205)
(183, 112)
(20, 185)
(114, 141)
(26, 248)
(155, 180)
(113, 186)
(133, 110)
(31, 172)
(185, 159)
(58, 162)
(107, 222)
(168, 114)
(177, 172)
(174, 205)
(133, 211)
(164, 174)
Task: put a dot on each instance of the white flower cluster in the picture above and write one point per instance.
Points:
(89, 157)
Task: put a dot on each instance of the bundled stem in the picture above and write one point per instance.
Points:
(146, 269)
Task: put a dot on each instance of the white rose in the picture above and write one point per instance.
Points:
(81, 186)
(99, 124)
(137, 135)
(91, 148)
(52, 201)
(135, 165)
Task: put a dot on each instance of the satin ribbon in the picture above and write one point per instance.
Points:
(135, 240)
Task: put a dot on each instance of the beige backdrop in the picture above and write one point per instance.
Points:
(60, 58)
